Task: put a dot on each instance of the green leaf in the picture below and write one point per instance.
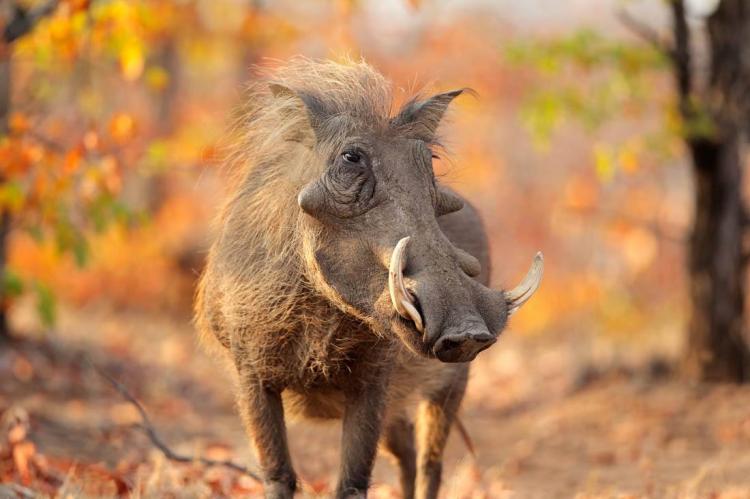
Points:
(604, 163)
(36, 232)
(105, 210)
(70, 239)
(700, 124)
(156, 159)
(46, 304)
(81, 252)
(591, 79)
(12, 284)
(12, 195)
(541, 115)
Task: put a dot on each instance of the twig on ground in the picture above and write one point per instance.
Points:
(156, 440)
(16, 490)
(465, 436)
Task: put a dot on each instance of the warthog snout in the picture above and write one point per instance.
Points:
(457, 316)
(462, 346)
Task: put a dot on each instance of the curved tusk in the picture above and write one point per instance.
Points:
(521, 293)
(400, 296)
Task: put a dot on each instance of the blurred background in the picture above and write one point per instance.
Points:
(608, 134)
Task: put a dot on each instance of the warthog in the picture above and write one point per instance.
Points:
(345, 281)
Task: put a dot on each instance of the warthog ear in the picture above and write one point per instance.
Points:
(316, 111)
(422, 117)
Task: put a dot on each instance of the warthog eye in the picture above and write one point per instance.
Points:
(352, 156)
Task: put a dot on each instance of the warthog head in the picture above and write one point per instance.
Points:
(377, 247)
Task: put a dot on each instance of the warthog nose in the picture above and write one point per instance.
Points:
(463, 346)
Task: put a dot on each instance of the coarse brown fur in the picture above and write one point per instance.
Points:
(259, 267)
(300, 344)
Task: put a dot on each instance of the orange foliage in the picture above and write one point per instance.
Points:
(140, 132)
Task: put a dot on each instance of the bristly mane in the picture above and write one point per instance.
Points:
(352, 94)
(256, 274)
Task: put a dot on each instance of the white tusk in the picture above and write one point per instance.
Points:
(521, 293)
(400, 296)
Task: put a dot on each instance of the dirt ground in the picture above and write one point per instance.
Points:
(544, 424)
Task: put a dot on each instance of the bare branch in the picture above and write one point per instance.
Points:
(644, 32)
(23, 21)
(46, 141)
(678, 50)
(156, 440)
(681, 58)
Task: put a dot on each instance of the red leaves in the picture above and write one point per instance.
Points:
(72, 160)
(22, 453)
(19, 460)
(17, 157)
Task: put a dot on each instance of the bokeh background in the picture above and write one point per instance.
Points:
(112, 174)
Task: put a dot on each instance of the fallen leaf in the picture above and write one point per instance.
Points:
(22, 453)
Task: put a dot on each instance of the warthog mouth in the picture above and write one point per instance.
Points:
(457, 344)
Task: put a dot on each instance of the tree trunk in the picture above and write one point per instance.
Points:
(716, 349)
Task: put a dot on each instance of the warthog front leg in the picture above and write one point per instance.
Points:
(362, 423)
(434, 419)
(263, 414)
(399, 442)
